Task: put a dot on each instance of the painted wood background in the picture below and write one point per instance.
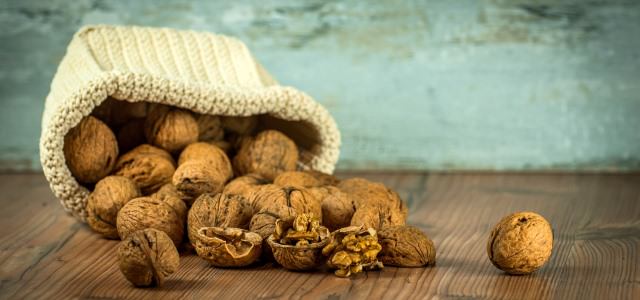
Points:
(496, 85)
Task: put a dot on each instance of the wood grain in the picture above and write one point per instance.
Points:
(46, 254)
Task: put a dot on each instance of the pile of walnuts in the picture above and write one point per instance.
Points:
(165, 179)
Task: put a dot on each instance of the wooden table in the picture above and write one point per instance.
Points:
(48, 255)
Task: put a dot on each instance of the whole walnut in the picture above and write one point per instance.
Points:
(240, 125)
(228, 247)
(376, 205)
(148, 212)
(108, 197)
(223, 145)
(323, 178)
(520, 243)
(202, 168)
(337, 206)
(116, 113)
(90, 150)
(209, 128)
(301, 200)
(268, 154)
(245, 185)
(147, 256)
(131, 135)
(170, 195)
(149, 167)
(170, 128)
(218, 210)
(405, 246)
(298, 179)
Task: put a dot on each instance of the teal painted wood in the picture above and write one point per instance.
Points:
(508, 85)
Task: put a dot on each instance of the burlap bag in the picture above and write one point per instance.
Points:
(203, 72)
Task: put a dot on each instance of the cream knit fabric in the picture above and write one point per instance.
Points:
(203, 72)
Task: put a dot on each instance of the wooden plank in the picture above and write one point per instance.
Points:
(596, 219)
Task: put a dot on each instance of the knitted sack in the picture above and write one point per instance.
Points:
(205, 73)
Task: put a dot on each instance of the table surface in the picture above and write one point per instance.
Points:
(47, 254)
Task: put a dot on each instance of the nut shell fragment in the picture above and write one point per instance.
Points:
(147, 256)
(228, 247)
(219, 210)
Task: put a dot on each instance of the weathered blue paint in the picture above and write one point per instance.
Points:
(516, 85)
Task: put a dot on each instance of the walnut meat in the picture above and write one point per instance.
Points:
(520, 243)
(228, 247)
(268, 154)
(147, 256)
(90, 150)
(245, 185)
(202, 168)
(405, 246)
(297, 179)
(149, 167)
(297, 244)
(376, 205)
(219, 210)
(170, 128)
(209, 128)
(337, 206)
(352, 250)
(109, 196)
(148, 212)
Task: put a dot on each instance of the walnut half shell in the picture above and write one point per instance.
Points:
(228, 247)
(297, 244)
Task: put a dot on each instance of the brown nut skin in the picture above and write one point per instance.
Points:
(147, 256)
(300, 199)
(245, 185)
(90, 150)
(218, 210)
(240, 125)
(209, 128)
(520, 243)
(108, 197)
(405, 246)
(376, 205)
(337, 206)
(202, 168)
(297, 179)
(131, 135)
(148, 212)
(170, 128)
(268, 154)
(228, 247)
(148, 166)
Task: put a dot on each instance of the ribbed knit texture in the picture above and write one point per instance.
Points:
(206, 73)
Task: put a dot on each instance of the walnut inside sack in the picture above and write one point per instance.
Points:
(170, 128)
(228, 247)
(148, 166)
(202, 168)
(108, 197)
(405, 246)
(268, 154)
(209, 128)
(147, 256)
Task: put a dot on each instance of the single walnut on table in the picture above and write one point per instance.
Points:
(405, 246)
(297, 243)
(353, 249)
(108, 197)
(148, 166)
(219, 210)
(147, 256)
(268, 154)
(170, 128)
(520, 243)
(90, 150)
(227, 246)
(148, 212)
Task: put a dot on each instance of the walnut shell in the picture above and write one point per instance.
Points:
(149, 167)
(240, 125)
(268, 154)
(90, 150)
(147, 256)
(297, 244)
(170, 195)
(298, 257)
(170, 128)
(245, 185)
(323, 178)
(203, 168)
(337, 206)
(219, 210)
(147, 212)
(108, 197)
(301, 200)
(376, 205)
(520, 243)
(116, 113)
(131, 135)
(209, 128)
(228, 247)
(405, 246)
(298, 179)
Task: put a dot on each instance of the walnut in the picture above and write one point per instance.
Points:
(337, 206)
(245, 185)
(202, 168)
(90, 150)
(148, 212)
(240, 125)
(228, 247)
(405, 246)
(131, 135)
(353, 249)
(109, 196)
(376, 205)
(520, 243)
(170, 128)
(301, 200)
(297, 243)
(223, 145)
(268, 154)
(323, 178)
(297, 178)
(264, 222)
(209, 128)
(219, 210)
(116, 113)
(170, 195)
(147, 256)
(149, 167)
